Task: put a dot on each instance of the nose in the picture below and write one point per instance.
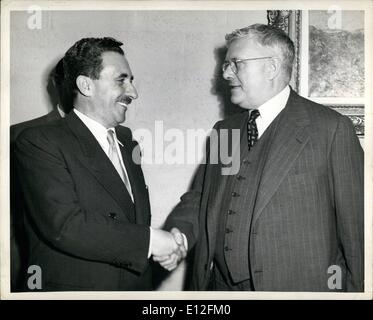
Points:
(228, 73)
(131, 91)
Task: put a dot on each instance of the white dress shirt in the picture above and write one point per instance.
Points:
(100, 133)
(270, 109)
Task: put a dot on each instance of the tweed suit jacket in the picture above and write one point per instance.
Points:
(308, 212)
(83, 228)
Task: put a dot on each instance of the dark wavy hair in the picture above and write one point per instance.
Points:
(85, 58)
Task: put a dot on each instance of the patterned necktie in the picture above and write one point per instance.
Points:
(252, 130)
(114, 158)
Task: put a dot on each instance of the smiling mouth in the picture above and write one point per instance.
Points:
(124, 102)
(233, 84)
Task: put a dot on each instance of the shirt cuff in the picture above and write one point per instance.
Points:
(150, 243)
(185, 241)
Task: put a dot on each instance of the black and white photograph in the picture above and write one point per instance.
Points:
(186, 150)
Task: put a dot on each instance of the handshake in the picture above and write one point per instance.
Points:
(168, 248)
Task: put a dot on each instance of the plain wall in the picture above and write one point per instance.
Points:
(175, 57)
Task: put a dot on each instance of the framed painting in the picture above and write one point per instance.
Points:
(329, 58)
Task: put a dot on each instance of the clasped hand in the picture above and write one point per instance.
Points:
(168, 248)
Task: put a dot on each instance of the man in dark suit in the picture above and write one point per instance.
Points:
(291, 217)
(88, 212)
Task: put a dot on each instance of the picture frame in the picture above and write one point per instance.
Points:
(296, 24)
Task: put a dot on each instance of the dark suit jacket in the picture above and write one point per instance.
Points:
(18, 240)
(84, 230)
(16, 129)
(308, 213)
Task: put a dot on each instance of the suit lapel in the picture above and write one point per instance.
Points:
(134, 173)
(289, 139)
(96, 161)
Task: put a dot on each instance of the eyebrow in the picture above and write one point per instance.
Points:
(124, 75)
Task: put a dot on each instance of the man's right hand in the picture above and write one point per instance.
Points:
(170, 261)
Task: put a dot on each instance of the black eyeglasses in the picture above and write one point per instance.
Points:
(233, 63)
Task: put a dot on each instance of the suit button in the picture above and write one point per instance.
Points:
(246, 161)
(235, 194)
(112, 215)
(230, 212)
(226, 248)
(228, 230)
(239, 177)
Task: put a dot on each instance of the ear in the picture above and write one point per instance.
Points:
(273, 68)
(85, 85)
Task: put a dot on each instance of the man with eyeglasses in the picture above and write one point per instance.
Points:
(291, 219)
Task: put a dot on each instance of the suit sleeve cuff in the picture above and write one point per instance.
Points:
(150, 243)
(185, 241)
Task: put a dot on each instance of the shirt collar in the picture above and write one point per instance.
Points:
(60, 111)
(96, 128)
(271, 108)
